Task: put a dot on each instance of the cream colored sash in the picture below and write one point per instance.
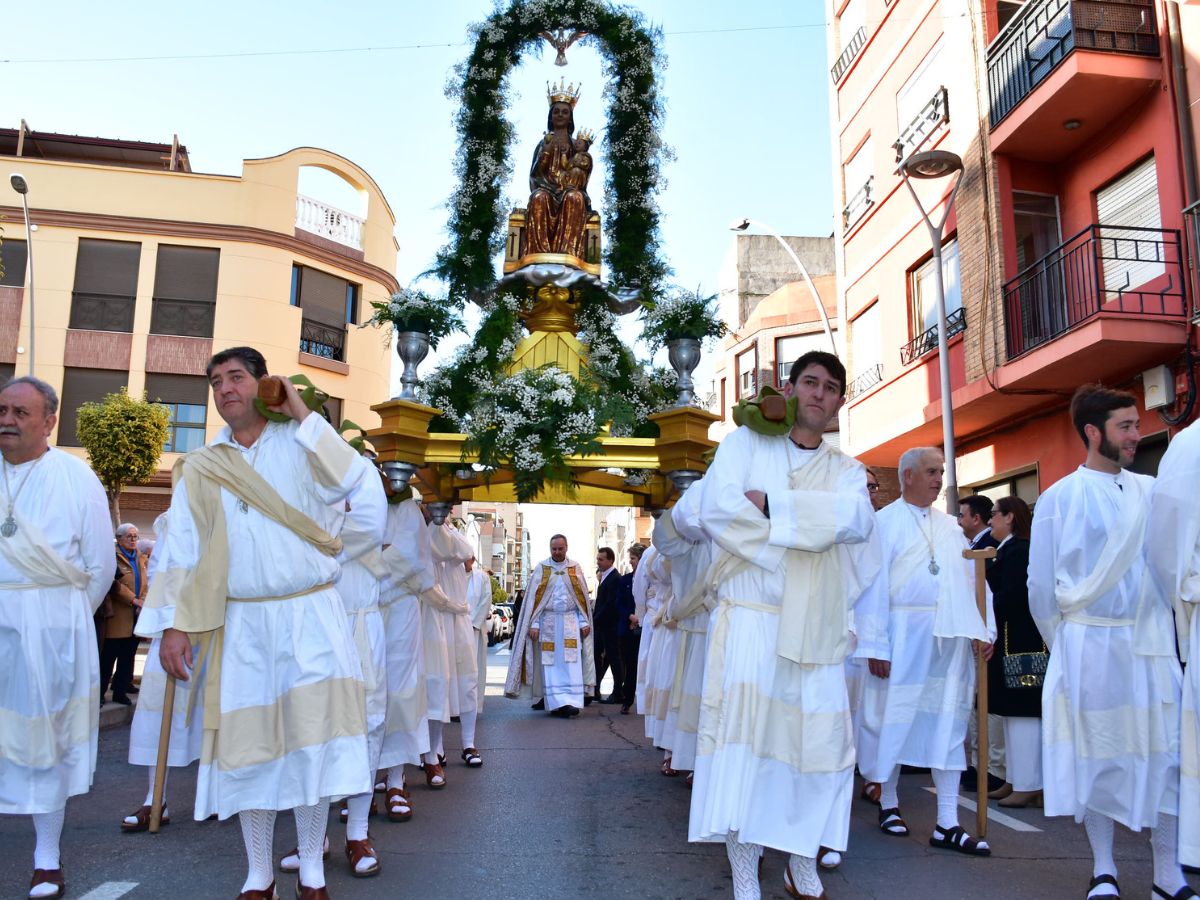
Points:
(30, 553)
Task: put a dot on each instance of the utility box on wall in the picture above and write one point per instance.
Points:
(1159, 387)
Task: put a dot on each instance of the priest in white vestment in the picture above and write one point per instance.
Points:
(794, 553)
(450, 551)
(56, 565)
(409, 564)
(249, 565)
(554, 628)
(1111, 696)
(479, 599)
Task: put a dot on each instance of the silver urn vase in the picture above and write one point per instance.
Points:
(413, 347)
(684, 355)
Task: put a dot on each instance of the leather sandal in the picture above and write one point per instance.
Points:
(143, 820)
(286, 866)
(666, 768)
(268, 894)
(432, 771)
(957, 839)
(398, 797)
(1183, 893)
(828, 858)
(891, 823)
(790, 887)
(1104, 879)
(356, 852)
(49, 876)
(472, 758)
(307, 893)
(871, 791)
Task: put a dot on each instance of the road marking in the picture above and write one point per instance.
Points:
(110, 890)
(993, 816)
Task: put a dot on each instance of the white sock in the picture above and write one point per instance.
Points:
(743, 861)
(805, 879)
(1099, 830)
(150, 787)
(258, 833)
(395, 777)
(889, 791)
(1164, 842)
(435, 742)
(946, 783)
(468, 727)
(310, 841)
(359, 807)
(48, 827)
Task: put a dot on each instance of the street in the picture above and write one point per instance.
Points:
(561, 808)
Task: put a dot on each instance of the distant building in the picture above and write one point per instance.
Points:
(497, 531)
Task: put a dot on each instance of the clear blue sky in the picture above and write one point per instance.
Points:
(746, 86)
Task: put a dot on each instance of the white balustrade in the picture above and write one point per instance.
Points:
(329, 222)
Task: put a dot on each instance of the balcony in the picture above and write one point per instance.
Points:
(185, 318)
(1101, 271)
(329, 222)
(101, 312)
(859, 204)
(863, 382)
(1059, 61)
(932, 116)
(927, 341)
(325, 341)
(857, 42)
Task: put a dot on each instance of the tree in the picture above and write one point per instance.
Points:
(124, 441)
(499, 594)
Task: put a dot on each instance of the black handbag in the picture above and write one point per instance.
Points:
(1024, 670)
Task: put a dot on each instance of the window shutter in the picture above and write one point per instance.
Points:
(177, 388)
(13, 254)
(1130, 202)
(186, 273)
(107, 267)
(323, 297)
(81, 386)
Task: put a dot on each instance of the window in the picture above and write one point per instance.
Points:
(13, 255)
(185, 291)
(789, 349)
(82, 386)
(187, 398)
(857, 175)
(1129, 257)
(849, 22)
(1035, 226)
(1023, 485)
(723, 402)
(924, 289)
(866, 345)
(7, 371)
(106, 275)
(329, 303)
(913, 119)
(333, 406)
(747, 373)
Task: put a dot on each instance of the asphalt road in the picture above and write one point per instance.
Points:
(560, 809)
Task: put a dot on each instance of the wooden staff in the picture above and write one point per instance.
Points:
(981, 693)
(164, 743)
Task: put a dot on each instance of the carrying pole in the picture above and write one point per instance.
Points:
(980, 558)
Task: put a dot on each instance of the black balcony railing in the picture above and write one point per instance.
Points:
(188, 318)
(857, 42)
(101, 312)
(323, 340)
(932, 116)
(1045, 32)
(859, 204)
(927, 341)
(1191, 224)
(865, 381)
(1102, 269)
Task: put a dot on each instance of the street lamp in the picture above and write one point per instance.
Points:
(928, 165)
(743, 224)
(21, 186)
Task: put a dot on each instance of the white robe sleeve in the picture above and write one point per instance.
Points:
(367, 519)
(732, 522)
(1043, 565)
(334, 463)
(850, 503)
(871, 612)
(180, 550)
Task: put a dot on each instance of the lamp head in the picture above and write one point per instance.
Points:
(932, 164)
(18, 182)
(739, 224)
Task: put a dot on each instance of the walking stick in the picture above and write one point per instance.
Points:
(981, 694)
(164, 742)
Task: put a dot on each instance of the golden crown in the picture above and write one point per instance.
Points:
(588, 135)
(563, 92)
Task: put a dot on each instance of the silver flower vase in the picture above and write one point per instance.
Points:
(684, 355)
(413, 347)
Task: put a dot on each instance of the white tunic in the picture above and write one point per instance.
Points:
(918, 715)
(450, 551)
(1110, 715)
(775, 757)
(50, 687)
(646, 605)
(563, 679)
(479, 599)
(406, 734)
(289, 669)
(665, 643)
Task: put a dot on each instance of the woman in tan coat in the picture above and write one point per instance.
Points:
(125, 598)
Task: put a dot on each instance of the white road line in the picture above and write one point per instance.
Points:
(110, 890)
(993, 816)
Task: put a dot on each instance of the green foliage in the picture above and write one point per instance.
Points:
(124, 440)
(499, 594)
(682, 314)
(412, 310)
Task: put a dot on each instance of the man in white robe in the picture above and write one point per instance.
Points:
(1110, 700)
(250, 565)
(916, 706)
(645, 610)
(794, 553)
(56, 565)
(554, 629)
(479, 599)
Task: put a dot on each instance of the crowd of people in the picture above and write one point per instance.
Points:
(314, 632)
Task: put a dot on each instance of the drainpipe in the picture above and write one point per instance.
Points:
(1187, 138)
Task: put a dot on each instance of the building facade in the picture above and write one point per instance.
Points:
(1064, 257)
(497, 531)
(143, 269)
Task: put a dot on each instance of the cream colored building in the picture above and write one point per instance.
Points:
(143, 269)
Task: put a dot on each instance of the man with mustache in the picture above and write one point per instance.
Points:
(56, 565)
(1110, 699)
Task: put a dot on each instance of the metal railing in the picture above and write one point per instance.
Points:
(933, 115)
(866, 380)
(1103, 269)
(187, 318)
(101, 312)
(329, 222)
(857, 42)
(859, 204)
(1191, 230)
(927, 340)
(1045, 32)
(322, 340)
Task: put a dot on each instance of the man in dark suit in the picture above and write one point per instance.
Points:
(629, 632)
(604, 620)
(973, 515)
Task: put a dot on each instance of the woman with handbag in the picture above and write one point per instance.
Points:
(1016, 671)
(126, 597)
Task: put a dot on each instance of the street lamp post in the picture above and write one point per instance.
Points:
(743, 224)
(926, 165)
(21, 186)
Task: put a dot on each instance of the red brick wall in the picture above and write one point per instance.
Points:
(173, 355)
(97, 349)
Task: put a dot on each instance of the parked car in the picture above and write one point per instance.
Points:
(501, 623)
